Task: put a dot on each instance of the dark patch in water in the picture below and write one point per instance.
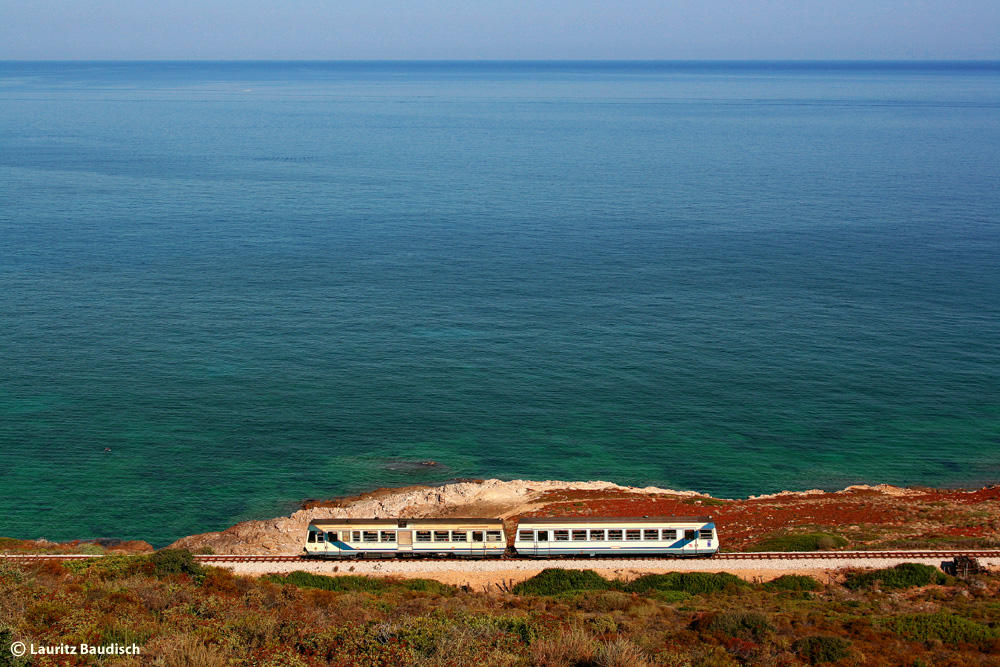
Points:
(414, 467)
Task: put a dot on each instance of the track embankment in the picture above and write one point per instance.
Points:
(503, 573)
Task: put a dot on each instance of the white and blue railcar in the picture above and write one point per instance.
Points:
(681, 536)
(393, 538)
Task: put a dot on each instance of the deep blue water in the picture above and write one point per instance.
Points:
(262, 282)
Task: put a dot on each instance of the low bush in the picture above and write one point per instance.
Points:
(425, 586)
(571, 647)
(671, 597)
(620, 653)
(945, 627)
(111, 567)
(801, 542)
(522, 627)
(187, 651)
(175, 561)
(692, 583)
(7, 658)
(554, 581)
(347, 582)
(743, 624)
(793, 582)
(604, 601)
(353, 582)
(91, 549)
(819, 650)
(904, 575)
(9, 543)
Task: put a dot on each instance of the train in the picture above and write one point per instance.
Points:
(593, 537)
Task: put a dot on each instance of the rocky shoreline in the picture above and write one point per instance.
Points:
(860, 516)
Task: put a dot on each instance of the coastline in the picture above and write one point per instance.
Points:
(865, 517)
(861, 516)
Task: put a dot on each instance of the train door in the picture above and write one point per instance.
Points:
(405, 538)
(542, 547)
(321, 544)
(478, 543)
(690, 538)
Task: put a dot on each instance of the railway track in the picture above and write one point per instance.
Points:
(764, 555)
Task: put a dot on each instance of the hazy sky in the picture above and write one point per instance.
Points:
(499, 29)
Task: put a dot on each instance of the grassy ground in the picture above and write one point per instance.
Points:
(182, 614)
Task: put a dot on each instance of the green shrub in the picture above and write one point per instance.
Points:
(818, 650)
(692, 583)
(347, 582)
(91, 549)
(110, 567)
(671, 597)
(425, 586)
(603, 625)
(10, 543)
(904, 575)
(604, 601)
(743, 624)
(175, 561)
(353, 582)
(522, 627)
(942, 626)
(553, 581)
(801, 542)
(793, 582)
(7, 658)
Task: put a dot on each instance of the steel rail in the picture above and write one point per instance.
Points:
(762, 555)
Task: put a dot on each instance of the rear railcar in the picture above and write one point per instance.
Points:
(395, 538)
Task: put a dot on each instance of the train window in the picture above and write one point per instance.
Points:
(633, 535)
(597, 535)
(331, 537)
(561, 535)
(345, 535)
(312, 536)
(690, 534)
(650, 534)
(440, 535)
(614, 535)
(705, 533)
(526, 536)
(543, 536)
(669, 533)
(494, 536)
(579, 535)
(371, 536)
(459, 536)
(356, 537)
(423, 536)
(477, 536)
(388, 536)
(320, 537)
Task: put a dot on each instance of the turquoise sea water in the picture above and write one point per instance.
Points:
(262, 282)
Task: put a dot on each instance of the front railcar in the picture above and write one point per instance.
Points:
(618, 537)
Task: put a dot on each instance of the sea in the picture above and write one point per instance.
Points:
(228, 287)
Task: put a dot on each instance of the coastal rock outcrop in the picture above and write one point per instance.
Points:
(487, 498)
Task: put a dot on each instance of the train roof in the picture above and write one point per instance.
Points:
(658, 520)
(407, 523)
